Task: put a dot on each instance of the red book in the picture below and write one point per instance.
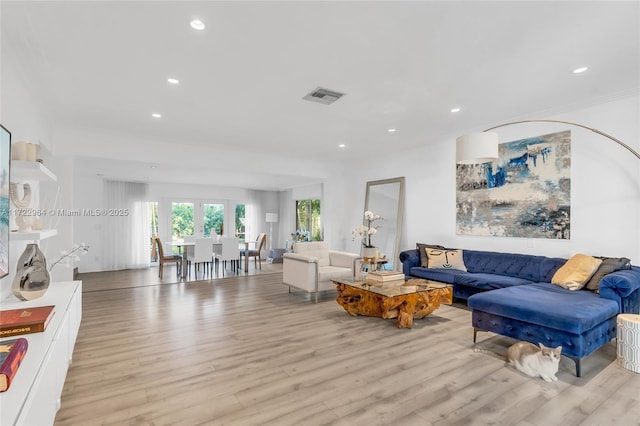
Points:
(11, 354)
(25, 321)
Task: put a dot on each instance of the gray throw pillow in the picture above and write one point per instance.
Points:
(424, 260)
(608, 265)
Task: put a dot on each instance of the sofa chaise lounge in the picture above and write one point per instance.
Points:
(512, 295)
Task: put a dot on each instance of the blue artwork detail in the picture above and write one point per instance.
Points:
(525, 193)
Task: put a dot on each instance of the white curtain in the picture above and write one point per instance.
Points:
(250, 222)
(128, 233)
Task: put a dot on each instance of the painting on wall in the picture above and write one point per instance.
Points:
(525, 193)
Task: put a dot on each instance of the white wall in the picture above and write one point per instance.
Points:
(59, 196)
(332, 205)
(335, 213)
(88, 193)
(22, 113)
(605, 187)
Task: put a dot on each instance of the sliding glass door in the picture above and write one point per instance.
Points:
(206, 218)
(182, 220)
(197, 219)
(213, 219)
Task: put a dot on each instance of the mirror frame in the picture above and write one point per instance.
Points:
(399, 214)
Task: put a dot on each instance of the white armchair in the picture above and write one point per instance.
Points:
(312, 266)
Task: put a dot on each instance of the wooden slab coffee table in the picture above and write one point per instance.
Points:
(416, 298)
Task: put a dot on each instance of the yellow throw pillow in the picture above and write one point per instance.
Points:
(445, 258)
(575, 273)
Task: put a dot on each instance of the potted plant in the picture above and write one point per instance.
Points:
(365, 232)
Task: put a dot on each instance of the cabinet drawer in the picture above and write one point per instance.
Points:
(43, 401)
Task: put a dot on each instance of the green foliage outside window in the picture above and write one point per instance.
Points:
(181, 220)
(308, 218)
(240, 219)
(153, 225)
(153, 213)
(213, 218)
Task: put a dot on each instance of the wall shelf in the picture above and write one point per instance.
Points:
(33, 236)
(30, 170)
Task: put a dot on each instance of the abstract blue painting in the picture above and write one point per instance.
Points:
(525, 193)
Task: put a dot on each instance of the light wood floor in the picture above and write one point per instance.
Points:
(98, 281)
(243, 351)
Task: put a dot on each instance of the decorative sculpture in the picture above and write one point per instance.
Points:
(23, 221)
(32, 276)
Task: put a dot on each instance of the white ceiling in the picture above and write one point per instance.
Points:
(100, 68)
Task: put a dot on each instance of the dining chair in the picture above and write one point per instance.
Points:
(256, 252)
(230, 252)
(202, 253)
(187, 249)
(170, 258)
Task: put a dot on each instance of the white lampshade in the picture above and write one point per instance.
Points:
(271, 217)
(480, 147)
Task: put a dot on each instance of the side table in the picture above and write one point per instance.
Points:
(275, 255)
(628, 338)
(372, 264)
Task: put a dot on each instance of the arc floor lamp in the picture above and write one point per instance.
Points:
(482, 147)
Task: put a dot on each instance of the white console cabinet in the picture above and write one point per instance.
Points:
(34, 395)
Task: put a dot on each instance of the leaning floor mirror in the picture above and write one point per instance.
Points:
(386, 198)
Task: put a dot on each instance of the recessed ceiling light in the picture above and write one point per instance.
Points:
(197, 24)
(173, 80)
(156, 115)
(341, 145)
(580, 70)
(455, 109)
(391, 130)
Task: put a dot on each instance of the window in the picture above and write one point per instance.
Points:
(308, 218)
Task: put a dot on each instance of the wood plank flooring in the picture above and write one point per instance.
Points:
(245, 351)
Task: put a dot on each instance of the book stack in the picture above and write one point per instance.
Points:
(385, 277)
(25, 321)
(12, 353)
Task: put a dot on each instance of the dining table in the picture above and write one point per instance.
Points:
(185, 246)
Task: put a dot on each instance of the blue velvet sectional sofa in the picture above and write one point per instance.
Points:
(511, 294)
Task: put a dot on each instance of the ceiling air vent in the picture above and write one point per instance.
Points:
(323, 96)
